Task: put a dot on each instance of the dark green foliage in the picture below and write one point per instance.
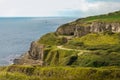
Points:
(108, 33)
(72, 60)
(63, 40)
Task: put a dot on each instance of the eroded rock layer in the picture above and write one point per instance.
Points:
(94, 27)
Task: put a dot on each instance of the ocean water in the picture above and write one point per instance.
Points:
(16, 34)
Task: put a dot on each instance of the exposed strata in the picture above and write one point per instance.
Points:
(94, 27)
(36, 52)
(75, 29)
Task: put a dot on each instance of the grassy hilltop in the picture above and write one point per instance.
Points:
(110, 17)
(94, 56)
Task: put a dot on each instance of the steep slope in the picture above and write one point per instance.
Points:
(92, 42)
(85, 49)
(94, 24)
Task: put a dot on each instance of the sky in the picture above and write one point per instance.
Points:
(59, 8)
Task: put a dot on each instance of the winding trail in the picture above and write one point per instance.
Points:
(80, 51)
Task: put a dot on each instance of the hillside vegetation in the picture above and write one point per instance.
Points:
(104, 47)
(110, 17)
(103, 50)
(58, 73)
(106, 18)
(93, 56)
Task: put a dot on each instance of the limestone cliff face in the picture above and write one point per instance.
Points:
(101, 27)
(94, 27)
(36, 52)
(33, 56)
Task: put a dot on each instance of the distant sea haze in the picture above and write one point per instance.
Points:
(16, 34)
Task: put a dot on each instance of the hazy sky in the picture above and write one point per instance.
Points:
(68, 8)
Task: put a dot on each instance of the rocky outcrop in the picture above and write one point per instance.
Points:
(94, 27)
(36, 52)
(66, 29)
(33, 57)
(77, 28)
(101, 27)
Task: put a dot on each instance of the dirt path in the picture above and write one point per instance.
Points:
(80, 51)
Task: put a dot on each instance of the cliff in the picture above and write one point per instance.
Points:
(93, 42)
(93, 24)
(33, 57)
(94, 27)
(85, 47)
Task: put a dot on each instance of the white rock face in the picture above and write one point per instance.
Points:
(95, 27)
(101, 27)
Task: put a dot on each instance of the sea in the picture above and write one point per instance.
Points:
(17, 33)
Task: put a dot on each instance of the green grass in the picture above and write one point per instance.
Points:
(98, 58)
(58, 57)
(103, 56)
(95, 40)
(104, 50)
(111, 17)
(51, 39)
(87, 21)
(98, 39)
(59, 73)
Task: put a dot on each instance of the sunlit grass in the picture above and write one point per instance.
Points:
(64, 73)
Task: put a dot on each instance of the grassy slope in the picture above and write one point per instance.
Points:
(58, 57)
(111, 17)
(59, 73)
(108, 18)
(104, 47)
(96, 40)
(51, 39)
(104, 51)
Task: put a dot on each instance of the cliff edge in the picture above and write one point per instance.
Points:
(93, 41)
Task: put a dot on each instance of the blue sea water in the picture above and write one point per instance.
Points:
(16, 34)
